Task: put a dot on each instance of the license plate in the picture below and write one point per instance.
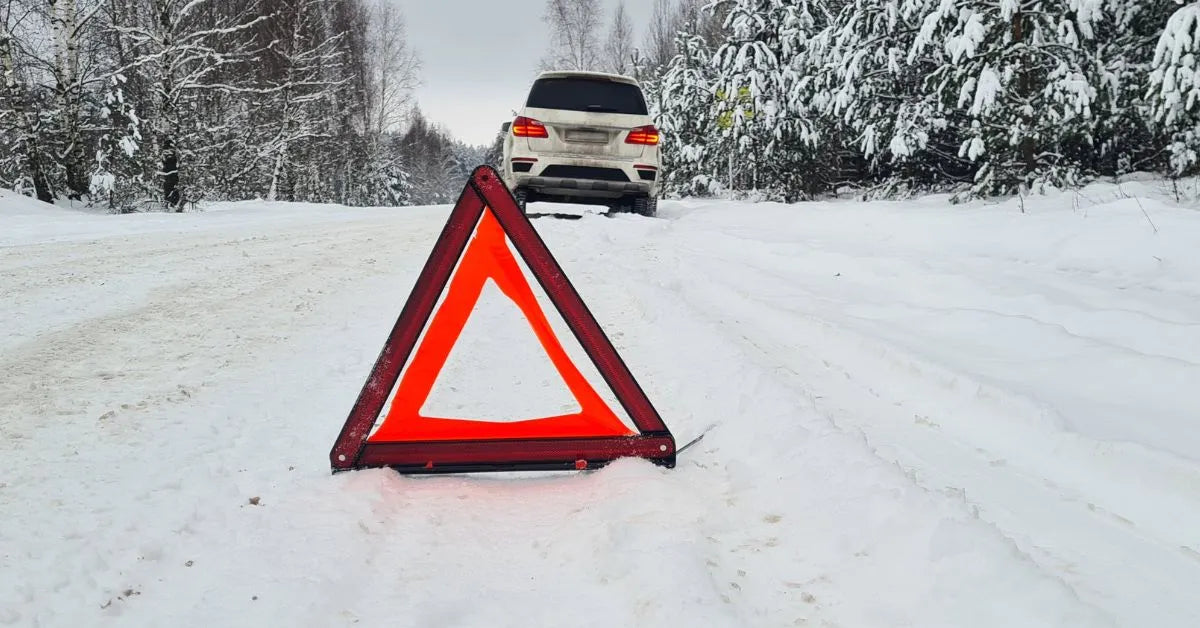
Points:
(591, 137)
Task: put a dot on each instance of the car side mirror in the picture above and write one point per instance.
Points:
(505, 127)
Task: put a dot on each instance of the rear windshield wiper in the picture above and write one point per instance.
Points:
(601, 109)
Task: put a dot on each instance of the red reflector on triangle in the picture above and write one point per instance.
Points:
(488, 257)
(472, 249)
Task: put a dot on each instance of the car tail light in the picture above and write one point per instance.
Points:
(528, 127)
(647, 135)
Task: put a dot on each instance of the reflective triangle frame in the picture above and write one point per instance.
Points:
(352, 449)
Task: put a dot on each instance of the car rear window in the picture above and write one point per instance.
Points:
(582, 94)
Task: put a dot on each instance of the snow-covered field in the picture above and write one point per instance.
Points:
(922, 415)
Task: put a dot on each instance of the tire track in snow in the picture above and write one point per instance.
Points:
(1008, 486)
(116, 274)
(614, 543)
(798, 534)
(73, 364)
(779, 517)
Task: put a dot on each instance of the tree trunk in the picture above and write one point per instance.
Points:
(170, 175)
(167, 127)
(76, 157)
(273, 193)
(64, 18)
(1025, 88)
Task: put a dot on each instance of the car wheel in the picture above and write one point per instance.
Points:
(521, 196)
(646, 205)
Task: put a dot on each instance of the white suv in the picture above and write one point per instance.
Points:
(584, 137)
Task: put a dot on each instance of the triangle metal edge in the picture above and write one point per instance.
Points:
(520, 231)
(435, 274)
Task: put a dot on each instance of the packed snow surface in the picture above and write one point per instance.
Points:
(921, 414)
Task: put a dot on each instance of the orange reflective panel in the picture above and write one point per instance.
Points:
(488, 256)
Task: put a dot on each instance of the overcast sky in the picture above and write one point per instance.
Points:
(479, 56)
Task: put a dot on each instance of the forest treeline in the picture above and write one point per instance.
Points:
(163, 103)
(800, 98)
(141, 104)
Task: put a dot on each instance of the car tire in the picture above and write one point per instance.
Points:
(522, 197)
(646, 206)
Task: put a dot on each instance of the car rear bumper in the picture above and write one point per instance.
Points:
(583, 177)
(584, 187)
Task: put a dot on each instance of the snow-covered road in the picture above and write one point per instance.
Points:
(921, 415)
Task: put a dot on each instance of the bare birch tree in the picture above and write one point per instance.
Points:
(665, 23)
(393, 68)
(190, 48)
(574, 35)
(618, 48)
(20, 109)
(298, 95)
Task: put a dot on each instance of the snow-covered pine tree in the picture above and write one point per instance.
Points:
(703, 18)
(399, 187)
(1017, 71)
(428, 154)
(115, 179)
(494, 155)
(872, 95)
(467, 157)
(681, 95)
(761, 93)
(1175, 88)
(1126, 40)
(683, 106)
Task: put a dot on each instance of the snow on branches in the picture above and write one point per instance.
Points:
(982, 97)
(1175, 87)
(140, 104)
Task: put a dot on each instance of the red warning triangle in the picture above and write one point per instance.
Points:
(488, 257)
(472, 249)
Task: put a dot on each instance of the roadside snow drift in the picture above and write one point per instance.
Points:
(921, 414)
